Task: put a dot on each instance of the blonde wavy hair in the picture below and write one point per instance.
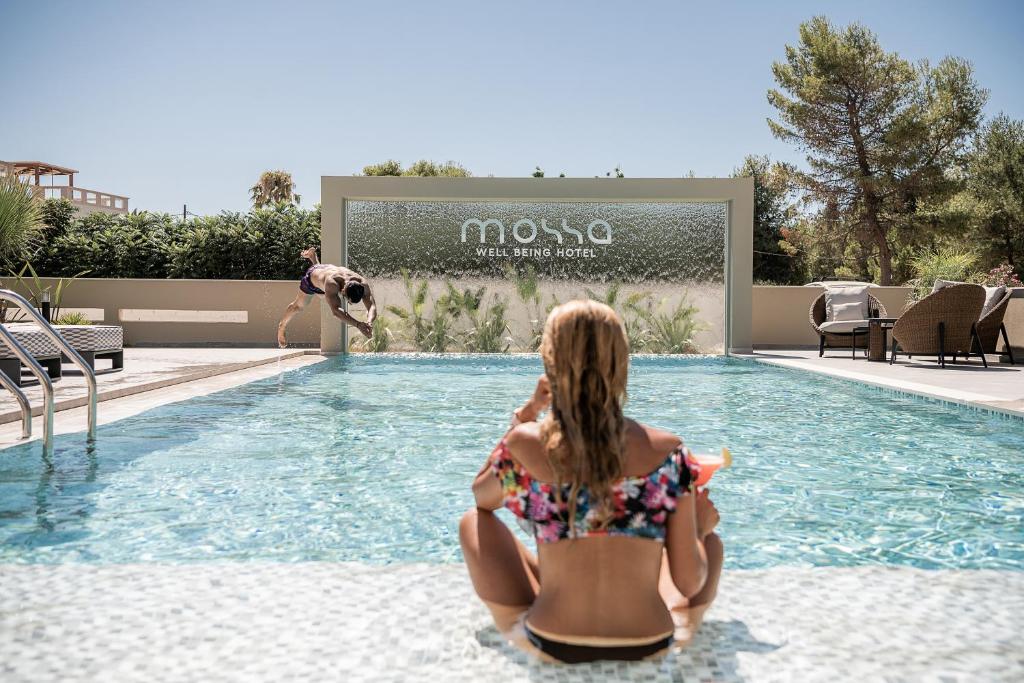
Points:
(586, 359)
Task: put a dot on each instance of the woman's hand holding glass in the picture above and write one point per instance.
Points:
(539, 402)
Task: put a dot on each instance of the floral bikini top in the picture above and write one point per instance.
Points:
(642, 504)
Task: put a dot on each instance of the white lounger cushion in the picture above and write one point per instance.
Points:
(81, 337)
(993, 295)
(93, 337)
(940, 284)
(842, 326)
(837, 300)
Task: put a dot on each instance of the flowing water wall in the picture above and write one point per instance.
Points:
(676, 253)
(661, 264)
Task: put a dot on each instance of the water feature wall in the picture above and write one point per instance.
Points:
(464, 265)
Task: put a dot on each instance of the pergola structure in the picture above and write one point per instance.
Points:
(33, 171)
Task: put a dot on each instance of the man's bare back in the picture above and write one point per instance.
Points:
(332, 282)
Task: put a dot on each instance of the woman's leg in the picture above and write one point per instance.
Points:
(689, 614)
(504, 573)
(715, 552)
(700, 602)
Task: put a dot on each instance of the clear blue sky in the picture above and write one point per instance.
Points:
(174, 102)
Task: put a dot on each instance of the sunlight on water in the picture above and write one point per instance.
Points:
(370, 458)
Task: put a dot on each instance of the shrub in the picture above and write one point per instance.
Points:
(58, 215)
(379, 340)
(262, 244)
(72, 318)
(671, 331)
(488, 326)
(1002, 275)
(945, 263)
(528, 290)
(21, 216)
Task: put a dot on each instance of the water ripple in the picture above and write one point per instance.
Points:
(370, 459)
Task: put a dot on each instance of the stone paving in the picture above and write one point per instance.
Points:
(353, 622)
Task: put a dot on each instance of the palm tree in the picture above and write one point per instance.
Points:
(274, 187)
(21, 216)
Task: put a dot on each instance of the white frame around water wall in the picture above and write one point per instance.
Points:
(737, 193)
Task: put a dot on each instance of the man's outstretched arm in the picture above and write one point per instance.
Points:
(333, 297)
(371, 307)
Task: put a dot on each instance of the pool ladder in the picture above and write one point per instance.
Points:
(44, 378)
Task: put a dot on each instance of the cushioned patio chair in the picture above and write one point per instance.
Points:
(991, 326)
(942, 324)
(840, 335)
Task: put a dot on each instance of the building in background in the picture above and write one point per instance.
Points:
(86, 201)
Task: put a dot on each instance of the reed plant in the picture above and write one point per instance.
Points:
(380, 338)
(488, 330)
(944, 263)
(666, 331)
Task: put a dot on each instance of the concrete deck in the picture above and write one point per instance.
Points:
(999, 388)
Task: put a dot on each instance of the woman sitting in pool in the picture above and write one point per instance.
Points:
(626, 549)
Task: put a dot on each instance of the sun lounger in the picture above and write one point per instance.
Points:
(37, 344)
(96, 341)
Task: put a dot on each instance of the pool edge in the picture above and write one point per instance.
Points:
(937, 395)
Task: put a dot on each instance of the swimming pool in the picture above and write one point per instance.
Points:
(369, 458)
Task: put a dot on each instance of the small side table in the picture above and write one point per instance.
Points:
(878, 330)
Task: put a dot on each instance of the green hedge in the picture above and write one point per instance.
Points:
(263, 244)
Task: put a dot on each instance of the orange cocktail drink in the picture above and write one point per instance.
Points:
(709, 464)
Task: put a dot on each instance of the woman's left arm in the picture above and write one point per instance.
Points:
(486, 487)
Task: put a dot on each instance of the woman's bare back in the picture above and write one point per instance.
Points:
(599, 586)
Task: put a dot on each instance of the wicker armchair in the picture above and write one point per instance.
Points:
(833, 340)
(990, 326)
(943, 323)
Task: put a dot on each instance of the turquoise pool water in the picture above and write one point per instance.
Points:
(370, 459)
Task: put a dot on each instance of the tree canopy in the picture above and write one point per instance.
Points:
(774, 220)
(274, 187)
(423, 168)
(880, 133)
(995, 181)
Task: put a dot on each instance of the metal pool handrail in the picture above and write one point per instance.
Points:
(38, 371)
(8, 383)
(44, 381)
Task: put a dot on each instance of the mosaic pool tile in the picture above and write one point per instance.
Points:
(354, 622)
